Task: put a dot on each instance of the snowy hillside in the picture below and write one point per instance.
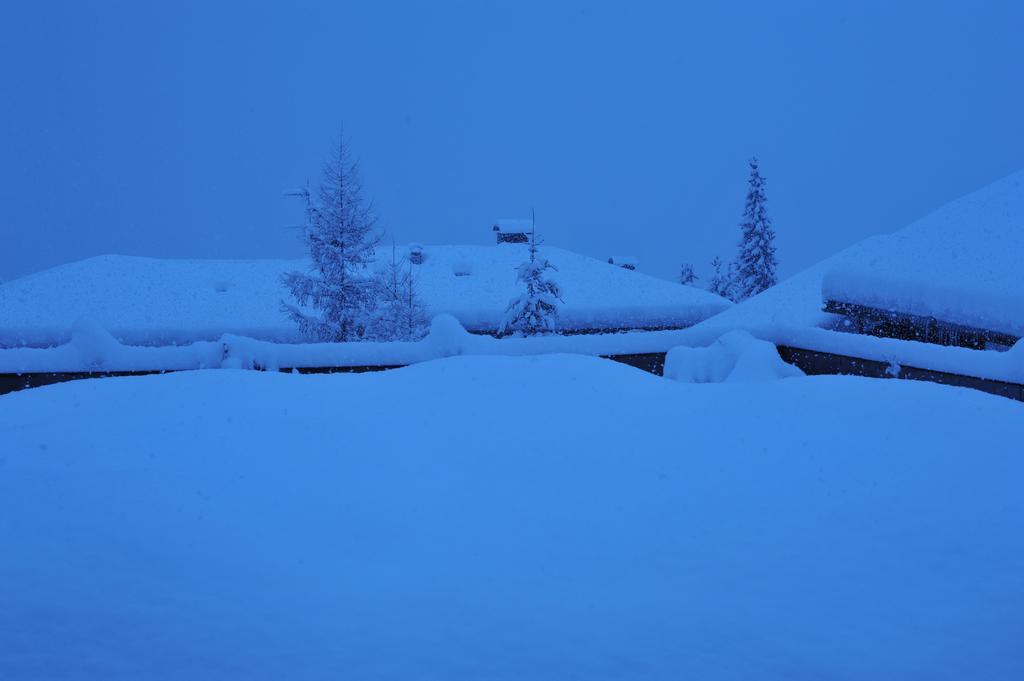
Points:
(245, 525)
(155, 301)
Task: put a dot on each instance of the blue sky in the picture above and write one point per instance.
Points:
(171, 129)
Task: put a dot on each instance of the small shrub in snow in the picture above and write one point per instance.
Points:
(536, 310)
(687, 277)
(337, 298)
(721, 283)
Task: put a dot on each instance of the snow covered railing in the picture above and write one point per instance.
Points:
(985, 364)
(92, 350)
(447, 338)
(818, 351)
(894, 324)
(816, 362)
(772, 353)
(924, 295)
(713, 354)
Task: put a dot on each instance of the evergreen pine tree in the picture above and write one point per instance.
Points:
(335, 300)
(535, 311)
(755, 263)
(687, 277)
(413, 322)
(400, 313)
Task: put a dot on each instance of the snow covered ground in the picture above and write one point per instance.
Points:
(152, 301)
(551, 517)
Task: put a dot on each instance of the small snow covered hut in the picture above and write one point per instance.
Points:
(513, 231)
(628, 262)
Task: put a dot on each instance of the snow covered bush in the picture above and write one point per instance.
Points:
(687, 277)
(337, 298)
(536, 310)
(736, 356)
(721, 283)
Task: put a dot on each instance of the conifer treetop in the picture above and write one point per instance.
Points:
(756, 262)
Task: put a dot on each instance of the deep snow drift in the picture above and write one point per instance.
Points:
(546, 517)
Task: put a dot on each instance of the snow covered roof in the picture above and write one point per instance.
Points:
(156, 301)
(960, 263)
(506, 225)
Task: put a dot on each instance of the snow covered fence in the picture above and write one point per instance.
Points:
(817, 363)
(93, 349)
(93, 352)
(983, 364)
(771, 352)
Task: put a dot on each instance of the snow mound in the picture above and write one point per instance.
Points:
(266, 526)
(93, 344)
(447, 338)
(736, 356)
